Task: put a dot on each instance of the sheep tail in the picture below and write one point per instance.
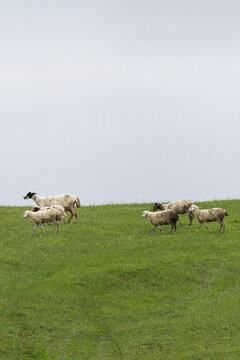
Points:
(77, 202)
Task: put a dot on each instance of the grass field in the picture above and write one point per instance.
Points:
(106, 288)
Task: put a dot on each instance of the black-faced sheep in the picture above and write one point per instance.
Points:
(66, 200)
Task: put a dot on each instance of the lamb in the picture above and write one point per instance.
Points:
(58, 207)
(45, 216)
(165, 217)
(66, 200)
(214, 214)
(181, 207)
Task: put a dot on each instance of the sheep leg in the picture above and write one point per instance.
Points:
(173, 226)
(222, 225)
(154, 227)
(199, 225)
(207, 227)
(42, 228)
(161, 229)
(56, 222)
(190, 217)
(35, 228)
(73, 213)
(179, 220)
(71, 216)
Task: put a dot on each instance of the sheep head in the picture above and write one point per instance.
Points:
(158, 206)
(29, 195)
(36, 208)
(25, 215)
(193, 208)
(145, 213)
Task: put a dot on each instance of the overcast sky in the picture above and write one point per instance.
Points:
(120, 101)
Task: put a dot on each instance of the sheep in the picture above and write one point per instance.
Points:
(209, 215)
(58, 207)
(181, 207)
(44, 216)
(66, 200)
(165, 217)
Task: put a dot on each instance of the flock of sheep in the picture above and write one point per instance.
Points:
(53, 209)
(169, 215)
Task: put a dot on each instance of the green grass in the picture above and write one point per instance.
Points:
(106, 288)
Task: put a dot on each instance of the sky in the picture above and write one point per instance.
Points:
(126, 101)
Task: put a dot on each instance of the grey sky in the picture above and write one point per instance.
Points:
(120, 101)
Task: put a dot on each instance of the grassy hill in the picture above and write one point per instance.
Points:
(106, 288)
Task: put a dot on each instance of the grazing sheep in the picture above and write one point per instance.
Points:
(181, 207)
(209, 215)
(58, 207)
(66, 200)
(45, 216)
(165, 217)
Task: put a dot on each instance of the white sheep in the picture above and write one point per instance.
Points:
(66, 200)
(165, 217)
(180, 206)
(44, 216)
(58, 207)
(209, 215)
